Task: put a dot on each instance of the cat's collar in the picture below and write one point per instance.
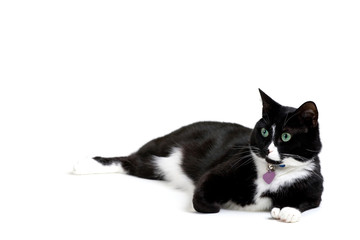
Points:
(270, 174)
(275, 163)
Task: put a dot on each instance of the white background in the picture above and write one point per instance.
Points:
(85, 78)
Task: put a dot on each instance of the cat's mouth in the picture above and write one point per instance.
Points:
(270, 161)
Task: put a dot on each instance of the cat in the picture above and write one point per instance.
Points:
(274, 167)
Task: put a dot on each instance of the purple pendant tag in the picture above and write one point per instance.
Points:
(269, 176)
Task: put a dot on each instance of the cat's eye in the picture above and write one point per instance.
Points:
(285, 137)
(264, 132)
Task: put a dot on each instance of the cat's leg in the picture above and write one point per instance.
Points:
(286, 214)
(203, 205)
(171, 169)
(210, 192)
(140, 165)
(97, 165)
(293, 213)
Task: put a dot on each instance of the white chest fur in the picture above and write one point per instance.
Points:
(293, 171)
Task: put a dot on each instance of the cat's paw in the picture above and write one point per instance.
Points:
(86, 166)
(286, 214)
(275, 213)
(91, 166)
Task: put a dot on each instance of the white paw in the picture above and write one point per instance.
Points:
(286, 214)
(91, 166)
(86, 166)
(275, 213)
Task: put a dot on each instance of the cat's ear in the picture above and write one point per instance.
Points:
(270, 107)
(308, 114)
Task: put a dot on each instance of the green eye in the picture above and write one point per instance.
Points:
(285, 137)
(264, 132)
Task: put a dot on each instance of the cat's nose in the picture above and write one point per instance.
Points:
(271, 148)
(273, 152)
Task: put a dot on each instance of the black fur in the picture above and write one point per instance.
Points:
(217, 157)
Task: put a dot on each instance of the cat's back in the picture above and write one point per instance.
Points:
(214, 127)
(212, 134)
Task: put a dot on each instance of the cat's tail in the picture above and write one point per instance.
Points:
(101, 165)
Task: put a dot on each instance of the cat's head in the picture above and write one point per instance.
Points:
(285, 133)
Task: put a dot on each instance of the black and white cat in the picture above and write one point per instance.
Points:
(274, 166)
